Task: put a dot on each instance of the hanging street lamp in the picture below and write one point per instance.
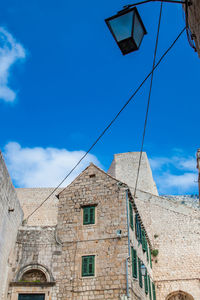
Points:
(143, 269)
(127, 27)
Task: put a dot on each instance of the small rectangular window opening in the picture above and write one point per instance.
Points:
(92, 175)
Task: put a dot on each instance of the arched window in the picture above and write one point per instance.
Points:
(179, 295)
(34, 273)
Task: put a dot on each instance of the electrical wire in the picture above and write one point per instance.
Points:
(149, 98)
(108, 126)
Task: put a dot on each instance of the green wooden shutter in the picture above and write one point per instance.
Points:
(86, 215)
(136, 226)
(150, 258)
(134, 262)
(140, 273)
(84, 266)
(131, 214)
(140, 232)
(150, 297)
(147, 252)
(138, 229)
(91, 266)
(146, 282)
(143, 240)
(154, 291)
(92, 215)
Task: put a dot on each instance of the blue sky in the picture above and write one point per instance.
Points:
(62, 79)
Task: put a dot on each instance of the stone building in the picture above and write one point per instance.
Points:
(90, 253)
(194, 23)
(93, 240)
(11, 216)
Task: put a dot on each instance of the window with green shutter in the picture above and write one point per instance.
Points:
(154, 291)
(150, 257)
(88, 215)
(88, 264)
(134, 262)
(149, 281)
(131, 214)
(144, 242)
(138, 231)
(140, 273)
(136, 226)
(146, 282)
(147, 252)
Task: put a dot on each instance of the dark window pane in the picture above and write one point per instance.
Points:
(122, 26)
(138, 31)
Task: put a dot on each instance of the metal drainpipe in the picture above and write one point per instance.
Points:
(129, 248)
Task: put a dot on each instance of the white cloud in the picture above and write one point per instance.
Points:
(188, 164)
(177, 184)
(43, 167)
(176, 174)
(10, 53)
(159, 162)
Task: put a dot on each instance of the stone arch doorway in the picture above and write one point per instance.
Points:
(32, 282)
(179, 295)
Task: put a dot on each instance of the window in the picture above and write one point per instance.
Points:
(134, 262)
(146, 282)
(150, 257)
(144, 242)
(88, 264)
(138, 231)
(154, 291)
(149, 281)
(140, 273)
(147, 252)
(88, 215)
(131, 214)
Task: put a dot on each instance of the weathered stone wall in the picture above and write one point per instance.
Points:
(31, 198)
(194, 22)
(35, 246)
(124, 167)
(9, 224)
(95, 187)
(174, 230)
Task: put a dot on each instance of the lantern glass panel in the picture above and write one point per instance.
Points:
(122, 26)
(139, 32)
(143, 270)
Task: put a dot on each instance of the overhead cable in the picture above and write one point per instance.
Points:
(149, 98)
(108, 126)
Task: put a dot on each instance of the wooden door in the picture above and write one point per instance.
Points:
(31, 297)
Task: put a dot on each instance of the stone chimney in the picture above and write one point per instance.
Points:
(198, 167)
